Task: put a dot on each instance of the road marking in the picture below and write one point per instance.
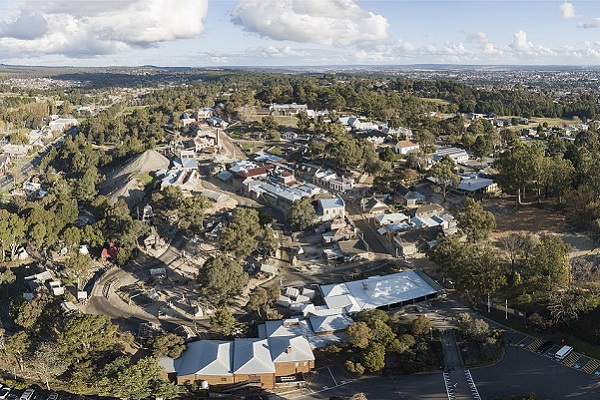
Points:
(332, 377)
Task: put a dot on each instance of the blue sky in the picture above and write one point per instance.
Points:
(201, 33)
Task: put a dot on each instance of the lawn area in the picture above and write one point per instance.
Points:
(560, 122)
(290, 122)
(131, 109)
(144, 178)
(436, 101)
(277, 150)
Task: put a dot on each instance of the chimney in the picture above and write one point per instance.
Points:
(289, 350)
(217, 133)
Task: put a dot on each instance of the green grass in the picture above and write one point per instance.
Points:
(291, 122)
(277, 150)
(129, 110)
(436, 101)
(144, 178)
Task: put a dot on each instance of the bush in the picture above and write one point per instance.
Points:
(354, 368)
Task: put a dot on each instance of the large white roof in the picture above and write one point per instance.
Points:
(252, 356)
(205, 357)
(290, 349)
(377, 291)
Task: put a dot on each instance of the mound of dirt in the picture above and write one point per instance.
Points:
(122, 182)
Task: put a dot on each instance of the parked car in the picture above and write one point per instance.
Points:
(547, 345)
(4, 392)
(52, 396)
(27, 394)
(14, 395)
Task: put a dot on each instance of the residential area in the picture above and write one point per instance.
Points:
(304, 237)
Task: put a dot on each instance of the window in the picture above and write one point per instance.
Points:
(305, 363)
(223, 379)
(297, 364)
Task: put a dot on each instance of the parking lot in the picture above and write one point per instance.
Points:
(548, 349)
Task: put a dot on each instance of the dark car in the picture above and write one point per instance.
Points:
(14, 395)
(547, 345)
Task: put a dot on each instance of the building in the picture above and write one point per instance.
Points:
(457, 155)
(61, 124)
(330, 180)
(474, 184)
(405, 147)
(262, 361)
(287, 109)
(374, 207)
(328, 209)
(383, 292)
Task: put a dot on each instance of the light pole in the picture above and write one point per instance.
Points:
(431, 334)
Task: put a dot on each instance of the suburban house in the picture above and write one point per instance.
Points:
(330, 180)
(474, 184)
(405, 147)
(410, 198)
(457, 155)
(203, 113)
(373, 136)
(328, 209)
(278, 357)
(374, 207)
(206, 140)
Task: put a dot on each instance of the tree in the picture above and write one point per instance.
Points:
(302, 213)
(516, 245)
(519, 168)
(241, 235)
(47, 362)
(474, 221)
(548, 264)
(78, 266)
(168, 344)
(477, 329)
(566, 305)
(191, 213)
(373, 357)
(443, 172)
(87, 333)
(269, 243)
(125, 379)
(303, 121)
(222, 278)
(224, 321)
(260, 299)
(17, 345)
(359, 334)
(483, 146)
(421, 325)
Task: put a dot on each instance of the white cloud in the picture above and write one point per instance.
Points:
(594, 24)
(522, 46)
(491, 49)
(568, 10)
(90, 28)
(280, 52)
(328, 22)
(478, 37)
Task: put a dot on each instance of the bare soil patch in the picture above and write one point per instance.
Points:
(535, 218)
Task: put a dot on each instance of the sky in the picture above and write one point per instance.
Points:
(222, 33)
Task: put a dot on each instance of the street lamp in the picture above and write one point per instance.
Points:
(431, 333)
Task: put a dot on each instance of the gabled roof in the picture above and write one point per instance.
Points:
(206, 357)
(290, 349)
(331, 203)
(252, 356)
